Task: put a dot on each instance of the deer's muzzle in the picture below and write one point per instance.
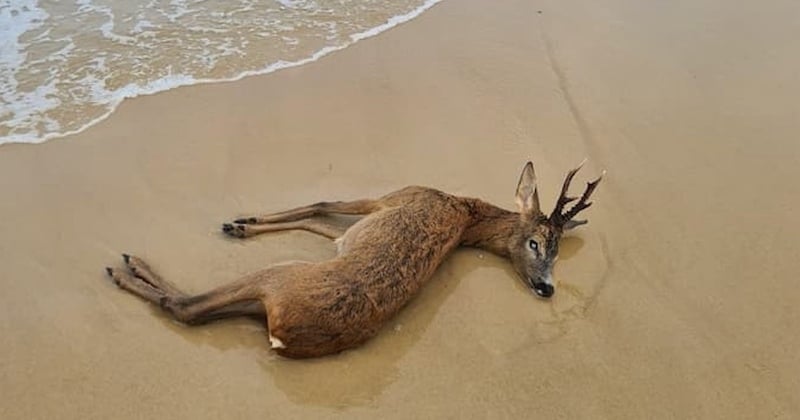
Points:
(543, 289)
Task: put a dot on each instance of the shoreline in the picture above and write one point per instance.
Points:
(677, 307)
(179, 81)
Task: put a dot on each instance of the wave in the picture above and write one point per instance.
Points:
(41, 113)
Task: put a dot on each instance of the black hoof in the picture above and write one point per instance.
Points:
(237, 231)
(127, 258)
(241, 221)
(110, 271)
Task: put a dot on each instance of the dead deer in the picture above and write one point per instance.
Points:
(316, 309)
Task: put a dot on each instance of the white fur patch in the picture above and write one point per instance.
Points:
(549, 279)
(339, 243)
(276, 342)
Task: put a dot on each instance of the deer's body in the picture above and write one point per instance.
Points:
(315, 309)
(383, 261)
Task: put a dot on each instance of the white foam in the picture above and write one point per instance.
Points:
(25, 106)
(394, 21)
(15, 20)
(23, 16)
(108, 27)
(142, 26)
(292, 3)
(181, 8)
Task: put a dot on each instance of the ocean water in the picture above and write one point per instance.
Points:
(65, 65)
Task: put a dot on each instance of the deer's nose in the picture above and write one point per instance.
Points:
(544, 290)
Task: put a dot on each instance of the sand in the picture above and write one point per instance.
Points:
(678, 299)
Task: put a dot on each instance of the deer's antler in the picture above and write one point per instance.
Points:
(561, 218)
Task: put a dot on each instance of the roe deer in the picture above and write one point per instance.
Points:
(315, 309)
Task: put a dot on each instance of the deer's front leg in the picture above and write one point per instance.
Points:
(322, 208)
(320, 227)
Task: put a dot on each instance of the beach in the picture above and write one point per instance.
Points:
(677, 300)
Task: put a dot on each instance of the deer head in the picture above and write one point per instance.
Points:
(533, 246)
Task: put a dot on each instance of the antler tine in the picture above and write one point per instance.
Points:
(582, 204)
(563, 199)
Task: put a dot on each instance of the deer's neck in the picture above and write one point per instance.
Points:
(490, 229)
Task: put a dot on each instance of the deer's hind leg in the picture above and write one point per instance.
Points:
(317, 209)
(142, 271)
(241, 298)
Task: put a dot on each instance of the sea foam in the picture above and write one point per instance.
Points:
(63, 68)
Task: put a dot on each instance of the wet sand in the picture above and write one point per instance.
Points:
(678, 300)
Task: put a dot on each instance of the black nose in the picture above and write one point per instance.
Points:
(543, 289)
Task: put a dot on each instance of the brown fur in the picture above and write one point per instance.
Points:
(315, 309)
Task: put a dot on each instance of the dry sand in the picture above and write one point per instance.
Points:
(678, 300)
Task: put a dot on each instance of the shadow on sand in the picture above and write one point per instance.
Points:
(357, 377)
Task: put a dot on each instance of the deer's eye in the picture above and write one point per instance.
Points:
(533, 245)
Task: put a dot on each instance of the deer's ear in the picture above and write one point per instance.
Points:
(527, 196)
(572, 224)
